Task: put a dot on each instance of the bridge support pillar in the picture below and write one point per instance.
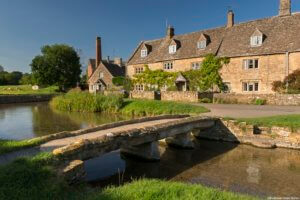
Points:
(196, 132)
(148, 151)
(183, 140)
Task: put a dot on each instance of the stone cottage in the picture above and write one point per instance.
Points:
(260, 51)
(101, 72)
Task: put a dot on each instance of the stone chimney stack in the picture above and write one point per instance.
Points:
(230, 19)
(98, 51)
(170, 32)
(118, 61)
(285, 8)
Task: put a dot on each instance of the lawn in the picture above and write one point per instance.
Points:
(26, 89)
(291, 121)
(7, 146)
(35, 178)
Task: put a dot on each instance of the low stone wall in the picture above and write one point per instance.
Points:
(264, 137)
(187, 96)
(8, 99)
(271, 99)
(143, 95)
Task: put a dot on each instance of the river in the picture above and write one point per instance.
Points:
(239, 168)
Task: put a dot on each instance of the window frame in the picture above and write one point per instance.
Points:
(139, 87)
(201, 44)
(168, 65)
(251, 64)
(144, 53)
(250, 86)
(172, 49)
(256, 41)
(196, 67)
(139, 70)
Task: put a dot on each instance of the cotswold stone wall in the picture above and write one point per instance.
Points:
(142, 95)
(8, 99)
(188, 96)
(272, 99)
(264, 137)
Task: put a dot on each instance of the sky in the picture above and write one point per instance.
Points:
(27, 25)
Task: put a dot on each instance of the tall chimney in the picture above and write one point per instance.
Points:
(230, 19)
(170, 32)
(118, 61)
(285, 8)
(98, 51)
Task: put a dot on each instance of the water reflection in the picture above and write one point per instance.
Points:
(23, 121)
(240, 168)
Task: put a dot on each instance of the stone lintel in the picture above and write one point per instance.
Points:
(147, 151)
(183, 140)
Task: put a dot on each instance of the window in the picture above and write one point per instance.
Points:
(144, 53)
(227, 87)
(101, 75)
(139, 70)
(168, 65)
(172, 49)
(196, 65)
(201, 44)
(139, 87)
(256, 41)
(250, 64)
(250, 86)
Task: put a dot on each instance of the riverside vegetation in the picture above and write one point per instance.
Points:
(35, 178)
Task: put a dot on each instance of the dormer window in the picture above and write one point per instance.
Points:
(172, 49)
(144, 53)
(256, 38)
(202, 41)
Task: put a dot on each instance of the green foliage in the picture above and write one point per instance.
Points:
(27, 89)
(153, 107)
(194, 78)
(225, 101)
(58, 65)
(291, 121)
(205, 100)
(7, 146)
(291, 84)
(210, 72)
(26, 79)
(259, 101)
(75, 101)
(156, 79)
(12, 78)
(118, 81)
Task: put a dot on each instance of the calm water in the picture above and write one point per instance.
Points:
(242, 168)
(23, 121)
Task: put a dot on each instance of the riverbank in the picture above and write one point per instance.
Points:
(36, 178)
(26, 90)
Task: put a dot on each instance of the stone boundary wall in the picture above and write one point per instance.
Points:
(143, 95)
(66, 134)
(9, 99)
(263, 137)
(186, 96)
(271, 99)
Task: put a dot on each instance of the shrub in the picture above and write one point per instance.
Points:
(291, 84)
(76, 101)
(205, 100)
(118, 81)
(259, 101)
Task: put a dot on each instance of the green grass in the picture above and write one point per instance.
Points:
(7, 146)
(153, 107)
(36, 179)
(26, 89)
(75, 101)
(291, 121)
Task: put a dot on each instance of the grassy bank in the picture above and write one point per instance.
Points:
(35, 178)
(7, 146)
(26, 89)
(291, 121)
(85, 102)
(152, 107)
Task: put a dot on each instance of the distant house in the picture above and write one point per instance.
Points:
(261, 51)
(101, 72)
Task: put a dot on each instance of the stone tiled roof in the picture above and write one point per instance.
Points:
(281, 34)
(115, 70)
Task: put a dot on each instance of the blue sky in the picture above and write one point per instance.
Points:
(26, 25)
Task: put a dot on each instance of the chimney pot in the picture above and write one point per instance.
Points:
(230, 19)
(170, 32)
(285, 8)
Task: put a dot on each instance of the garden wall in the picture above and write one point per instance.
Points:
(271, 99)
(187, 96)
(143, 95)
(8, 99)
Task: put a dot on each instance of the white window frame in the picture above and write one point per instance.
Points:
(139, 87)
(172, 49)
(144, 53)
(168, 65)
(256, 41)
(196, 65)
(201, 44)
(101, 75)
(252, 86)
(251, 64)
(139, 70)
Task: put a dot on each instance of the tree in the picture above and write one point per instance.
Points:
(290, 84)
(26, 79)
(58, 65)
(210, 75)
(118, 81)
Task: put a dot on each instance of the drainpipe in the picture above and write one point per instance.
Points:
(287, 67)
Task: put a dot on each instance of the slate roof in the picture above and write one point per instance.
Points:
(114, 70)
(281, 35)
